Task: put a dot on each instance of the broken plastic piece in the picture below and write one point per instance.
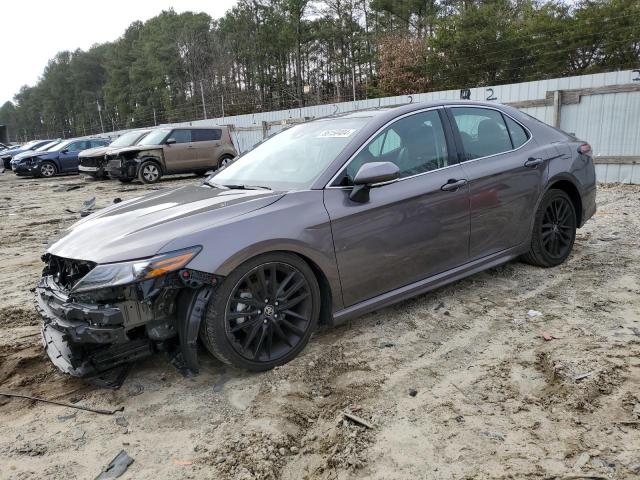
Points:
(116, 467)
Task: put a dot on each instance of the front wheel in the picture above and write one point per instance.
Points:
(263, 314)
(554, 230)
(48, 169)
(149, 172)
(224, 161)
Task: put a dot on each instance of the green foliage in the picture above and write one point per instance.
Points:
(277, 54)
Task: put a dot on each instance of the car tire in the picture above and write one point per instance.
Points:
(47, 169)
(276, 328)
(224, 161)
(149, 172)
(554, 230)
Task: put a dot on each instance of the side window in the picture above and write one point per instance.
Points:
(482, 130)
(77, 146)
(181, 136)
(206, 135)
(518, 134)
(97, 143)
(416, 144)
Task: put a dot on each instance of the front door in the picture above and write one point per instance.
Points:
(68, 156)
(181, 155)
(506, 170)
(410, 229)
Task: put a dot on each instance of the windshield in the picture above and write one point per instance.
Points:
(294, 158)
(155, 137)
(127, 139)
(29, 146)
(46, 146)
(60, 146)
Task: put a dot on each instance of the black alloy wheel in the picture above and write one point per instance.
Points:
(554, 230)
(266, 315)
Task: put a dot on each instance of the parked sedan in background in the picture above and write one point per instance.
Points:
(33, 153)
(173, 150)
(62, 158)
(92, 162)
(322, 222)
(7, 155)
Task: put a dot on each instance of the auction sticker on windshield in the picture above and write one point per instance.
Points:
(338, 133)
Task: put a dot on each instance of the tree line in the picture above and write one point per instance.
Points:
(273, 54)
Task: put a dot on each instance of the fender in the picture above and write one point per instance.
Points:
(159, 159)
(318, 260)
(551, 181)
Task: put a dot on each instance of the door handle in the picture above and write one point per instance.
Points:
(453, 184)
(533, 162)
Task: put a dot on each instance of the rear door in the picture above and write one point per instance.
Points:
(506, 170)
(207, 144)
(179, 156)
(410, 229)
(68, 157)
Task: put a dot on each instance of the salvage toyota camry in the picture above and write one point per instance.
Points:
(324, 221)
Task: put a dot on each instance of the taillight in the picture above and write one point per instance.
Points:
(230, 139)
(584, 149)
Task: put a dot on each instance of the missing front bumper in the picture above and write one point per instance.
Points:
(83, 339)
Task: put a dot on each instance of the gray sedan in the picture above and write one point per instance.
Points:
(324, 221)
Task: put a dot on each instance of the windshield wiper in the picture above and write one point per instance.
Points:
(246, 187)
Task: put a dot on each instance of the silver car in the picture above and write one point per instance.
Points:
(322, 222)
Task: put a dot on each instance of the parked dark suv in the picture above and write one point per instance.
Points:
(172, 150)
(322, 222)
(63, 158)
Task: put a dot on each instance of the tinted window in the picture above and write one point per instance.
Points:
(483, 131)
(97, 143)
(181, 136)
(206, 135)
(417, 144)
(77, 146)
(518, 134)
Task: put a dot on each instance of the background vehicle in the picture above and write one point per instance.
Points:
(92, 161)
(62, 158)
(322, 222)
(172, 150)
(7, 155)
(32, 153)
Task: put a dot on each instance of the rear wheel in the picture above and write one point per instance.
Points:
(263, 314)
(48, 169)
(554, 230)
(149, 172)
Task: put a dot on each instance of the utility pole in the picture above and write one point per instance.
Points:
(353, 81)
(100, 115)
(204, 108)
(222, 102)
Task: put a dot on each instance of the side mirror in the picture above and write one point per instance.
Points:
(170, 141)
(64, 151)
(370, 175)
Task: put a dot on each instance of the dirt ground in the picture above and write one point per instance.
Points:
(459, 383)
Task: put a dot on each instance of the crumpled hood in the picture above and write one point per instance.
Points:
(140, 227)
(134, 148)
(94, 152)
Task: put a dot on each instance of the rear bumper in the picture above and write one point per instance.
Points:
(588, 205)
(83, 339)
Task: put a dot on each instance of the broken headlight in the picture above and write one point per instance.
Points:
(113, 274)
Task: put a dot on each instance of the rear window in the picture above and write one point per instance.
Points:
(518, 134)
(206, 135)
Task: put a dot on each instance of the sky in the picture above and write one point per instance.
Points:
(33, 31)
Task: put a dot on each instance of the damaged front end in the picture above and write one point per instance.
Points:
(97, 317)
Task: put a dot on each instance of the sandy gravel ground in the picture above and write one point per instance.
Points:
(459, 383)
